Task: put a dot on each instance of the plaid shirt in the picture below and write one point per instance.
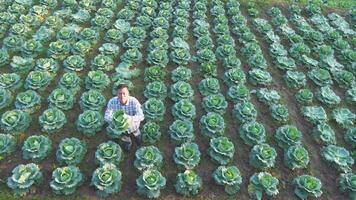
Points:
(132, 110)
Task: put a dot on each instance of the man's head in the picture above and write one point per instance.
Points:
(123, 93)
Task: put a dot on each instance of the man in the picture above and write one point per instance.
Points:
(133, 113)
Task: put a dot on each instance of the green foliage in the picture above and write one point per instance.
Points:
(229, 177)
(212, 125)
(155, 89)
(61, 98)
(234, 76)
(314, 114)
(74, 63)
(350, 136)
(296, 157)
(321, 77)
(107, 180)
(181, 90)
(306, 185)
(238, 93)
(279, 113)
(181, 73)
(344, 117)
(15, 121)
(92, 100)
(181, 131)
(158, 57)
(324, 134)
(70, 81)
(154, 73)
(268, 96)
(10, 81)
(245, 112)
(184, 110)
(150, 183)
(327, 96)
(154, 109)
(263, 156)
(23, 177)
(97, 80)
(65, 180)
(262, 182)
(209, 86)
(252, 133)
(287, 136)
(304, 97)
(295, 79)
(260, 77)
(71, 151)
(351, 95)
(108, 152)
(52, 120)
(221, 150)
(59, 49)
(38, 80)
(36, 148)
(148, 158)
(28, 101)
(102, 62)
(21, 64)
(90, 122)
(347, 184)
(47, 64)
(7, 145)
(150, 132)
(339, 157)
(215, 103)
(118, 125)
(5, 98)
(187, 156)
(188, 183)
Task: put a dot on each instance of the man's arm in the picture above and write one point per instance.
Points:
(109, 111)
(139, 113)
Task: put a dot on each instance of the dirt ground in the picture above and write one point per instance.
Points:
(210, 190)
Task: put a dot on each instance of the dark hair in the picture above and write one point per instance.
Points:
(122, 86)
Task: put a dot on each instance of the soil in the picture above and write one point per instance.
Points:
(210, 190)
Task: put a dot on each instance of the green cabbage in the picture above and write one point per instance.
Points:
(61, 98)
(71, 151)
(154, 109)
(65, 180)
(38, 80)
(74, 63)
(245, 112)
(97, 80)
(181, 73)
(31, 48)
(23, 177)
(215, 103)
(327, 96)
(181, 90)
(92, 100)
(15, 121)
(181, 131)
(209, 86)
(296, 157)
(238, 93)
(221, 150)
(279, 112)
(28, 101)
(339, 157)
(80, 49)
(150, 132)
(263, 156)
(184, 110)
(154, 73)
(109, 49)
(306, 185)
(229, 177)
(234, 76)
(350, 136)
(344, 117)
(304, 97)
(208, 69)
(252, 133)
(188, 183)
(187, 156)
(262, 182)
(347, 183)
(324, 134)
(260, 77)
(90, 122)
(59, 49)
(70, 81)
(102, 62)
(113, 36)
(212, 125)
(107, 180)
(295, 79)
(148, 158)
(155, 89)
(158, 57)
(47, 64)
(314, 114)
(321, 77)
(36, 148)
(118, 126)
(150, 183)
(7, 145)
(350, 95)
(52, 120)
(21, 64)
(108, 152)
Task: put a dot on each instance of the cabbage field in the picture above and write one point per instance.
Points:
(241, 101)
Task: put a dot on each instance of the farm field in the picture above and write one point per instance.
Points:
(241, 100)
